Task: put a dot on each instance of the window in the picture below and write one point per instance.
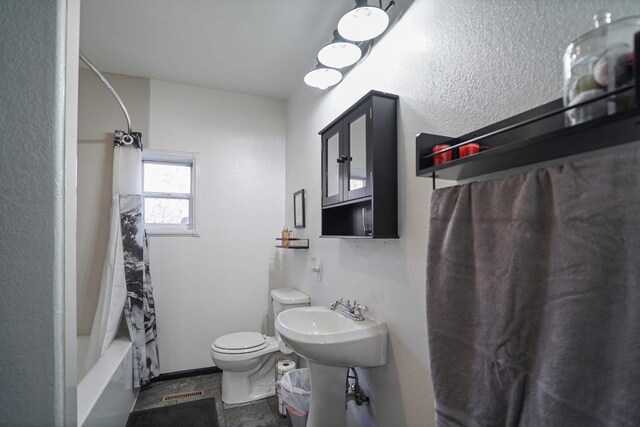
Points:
(168, 192)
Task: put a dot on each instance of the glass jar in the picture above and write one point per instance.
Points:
(598, 62)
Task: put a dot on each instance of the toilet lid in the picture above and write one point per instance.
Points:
(245, 341)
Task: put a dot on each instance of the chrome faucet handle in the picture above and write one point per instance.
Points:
(362, 308)
(358, 309)
(359, 306)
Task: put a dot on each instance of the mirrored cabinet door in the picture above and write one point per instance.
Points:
(333, 167)
(357, 153)
(332, 161)
(358, 158)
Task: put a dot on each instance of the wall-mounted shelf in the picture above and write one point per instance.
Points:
(294, 243)
(510, 144)
(537, 135)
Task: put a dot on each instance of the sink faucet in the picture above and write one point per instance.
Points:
(353, 311)
(341, 301)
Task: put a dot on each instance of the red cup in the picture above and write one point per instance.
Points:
(442, 158)
(469, 149)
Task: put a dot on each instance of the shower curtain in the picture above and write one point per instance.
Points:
(126, 280)
(533, 297)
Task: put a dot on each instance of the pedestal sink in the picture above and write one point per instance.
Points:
(331, 343)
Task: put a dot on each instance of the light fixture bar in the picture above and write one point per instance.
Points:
(355, 29)
(389, 6)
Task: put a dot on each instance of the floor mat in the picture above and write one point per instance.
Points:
(197, 413)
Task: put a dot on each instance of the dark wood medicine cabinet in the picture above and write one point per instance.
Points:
(360, 170)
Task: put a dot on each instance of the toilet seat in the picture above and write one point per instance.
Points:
(240, 343)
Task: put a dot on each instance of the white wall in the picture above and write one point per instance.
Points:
(456, 66)
(200, 283)
(218, 283)
(98, 112)
(32, 209)
(70, 212)
(98, 117)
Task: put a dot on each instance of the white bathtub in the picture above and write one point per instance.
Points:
(106, 394)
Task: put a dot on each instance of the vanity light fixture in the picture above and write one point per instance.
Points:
(364, 22)
(322, 77)
(339, 53)
(351, 41)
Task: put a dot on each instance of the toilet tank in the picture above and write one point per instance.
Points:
(286, 298)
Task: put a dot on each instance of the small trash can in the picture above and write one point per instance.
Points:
(295, 389)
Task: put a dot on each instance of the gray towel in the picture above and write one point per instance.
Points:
(533, 297)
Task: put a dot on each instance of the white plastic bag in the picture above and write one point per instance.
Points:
(295, 389)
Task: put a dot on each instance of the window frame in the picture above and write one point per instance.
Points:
(178, 158)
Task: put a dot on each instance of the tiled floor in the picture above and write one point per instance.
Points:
(263, 413)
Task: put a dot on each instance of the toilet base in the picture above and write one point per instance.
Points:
(244, 387)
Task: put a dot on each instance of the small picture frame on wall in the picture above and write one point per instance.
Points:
(298, 209)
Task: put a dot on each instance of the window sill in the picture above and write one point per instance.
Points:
(172, 233)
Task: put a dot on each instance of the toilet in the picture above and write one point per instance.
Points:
(248, 359)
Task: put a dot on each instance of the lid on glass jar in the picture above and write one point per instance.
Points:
(602, 24)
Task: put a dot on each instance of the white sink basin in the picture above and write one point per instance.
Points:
(331, 342)
(329, 338)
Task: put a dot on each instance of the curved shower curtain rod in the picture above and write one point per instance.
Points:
(113, 92)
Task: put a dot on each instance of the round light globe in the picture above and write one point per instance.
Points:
(339, 54)
(363, 23)
(323, 78)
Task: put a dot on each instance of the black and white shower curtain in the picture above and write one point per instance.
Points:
(126, 279)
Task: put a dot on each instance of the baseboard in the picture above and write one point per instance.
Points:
(188, 373)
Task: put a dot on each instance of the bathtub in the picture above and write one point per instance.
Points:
(106, 394)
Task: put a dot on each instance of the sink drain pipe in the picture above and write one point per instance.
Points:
(353, 389)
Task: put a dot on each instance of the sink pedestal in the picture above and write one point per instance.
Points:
(327, 396)
(331, 342)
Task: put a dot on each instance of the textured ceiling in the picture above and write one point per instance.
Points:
(261, 47)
